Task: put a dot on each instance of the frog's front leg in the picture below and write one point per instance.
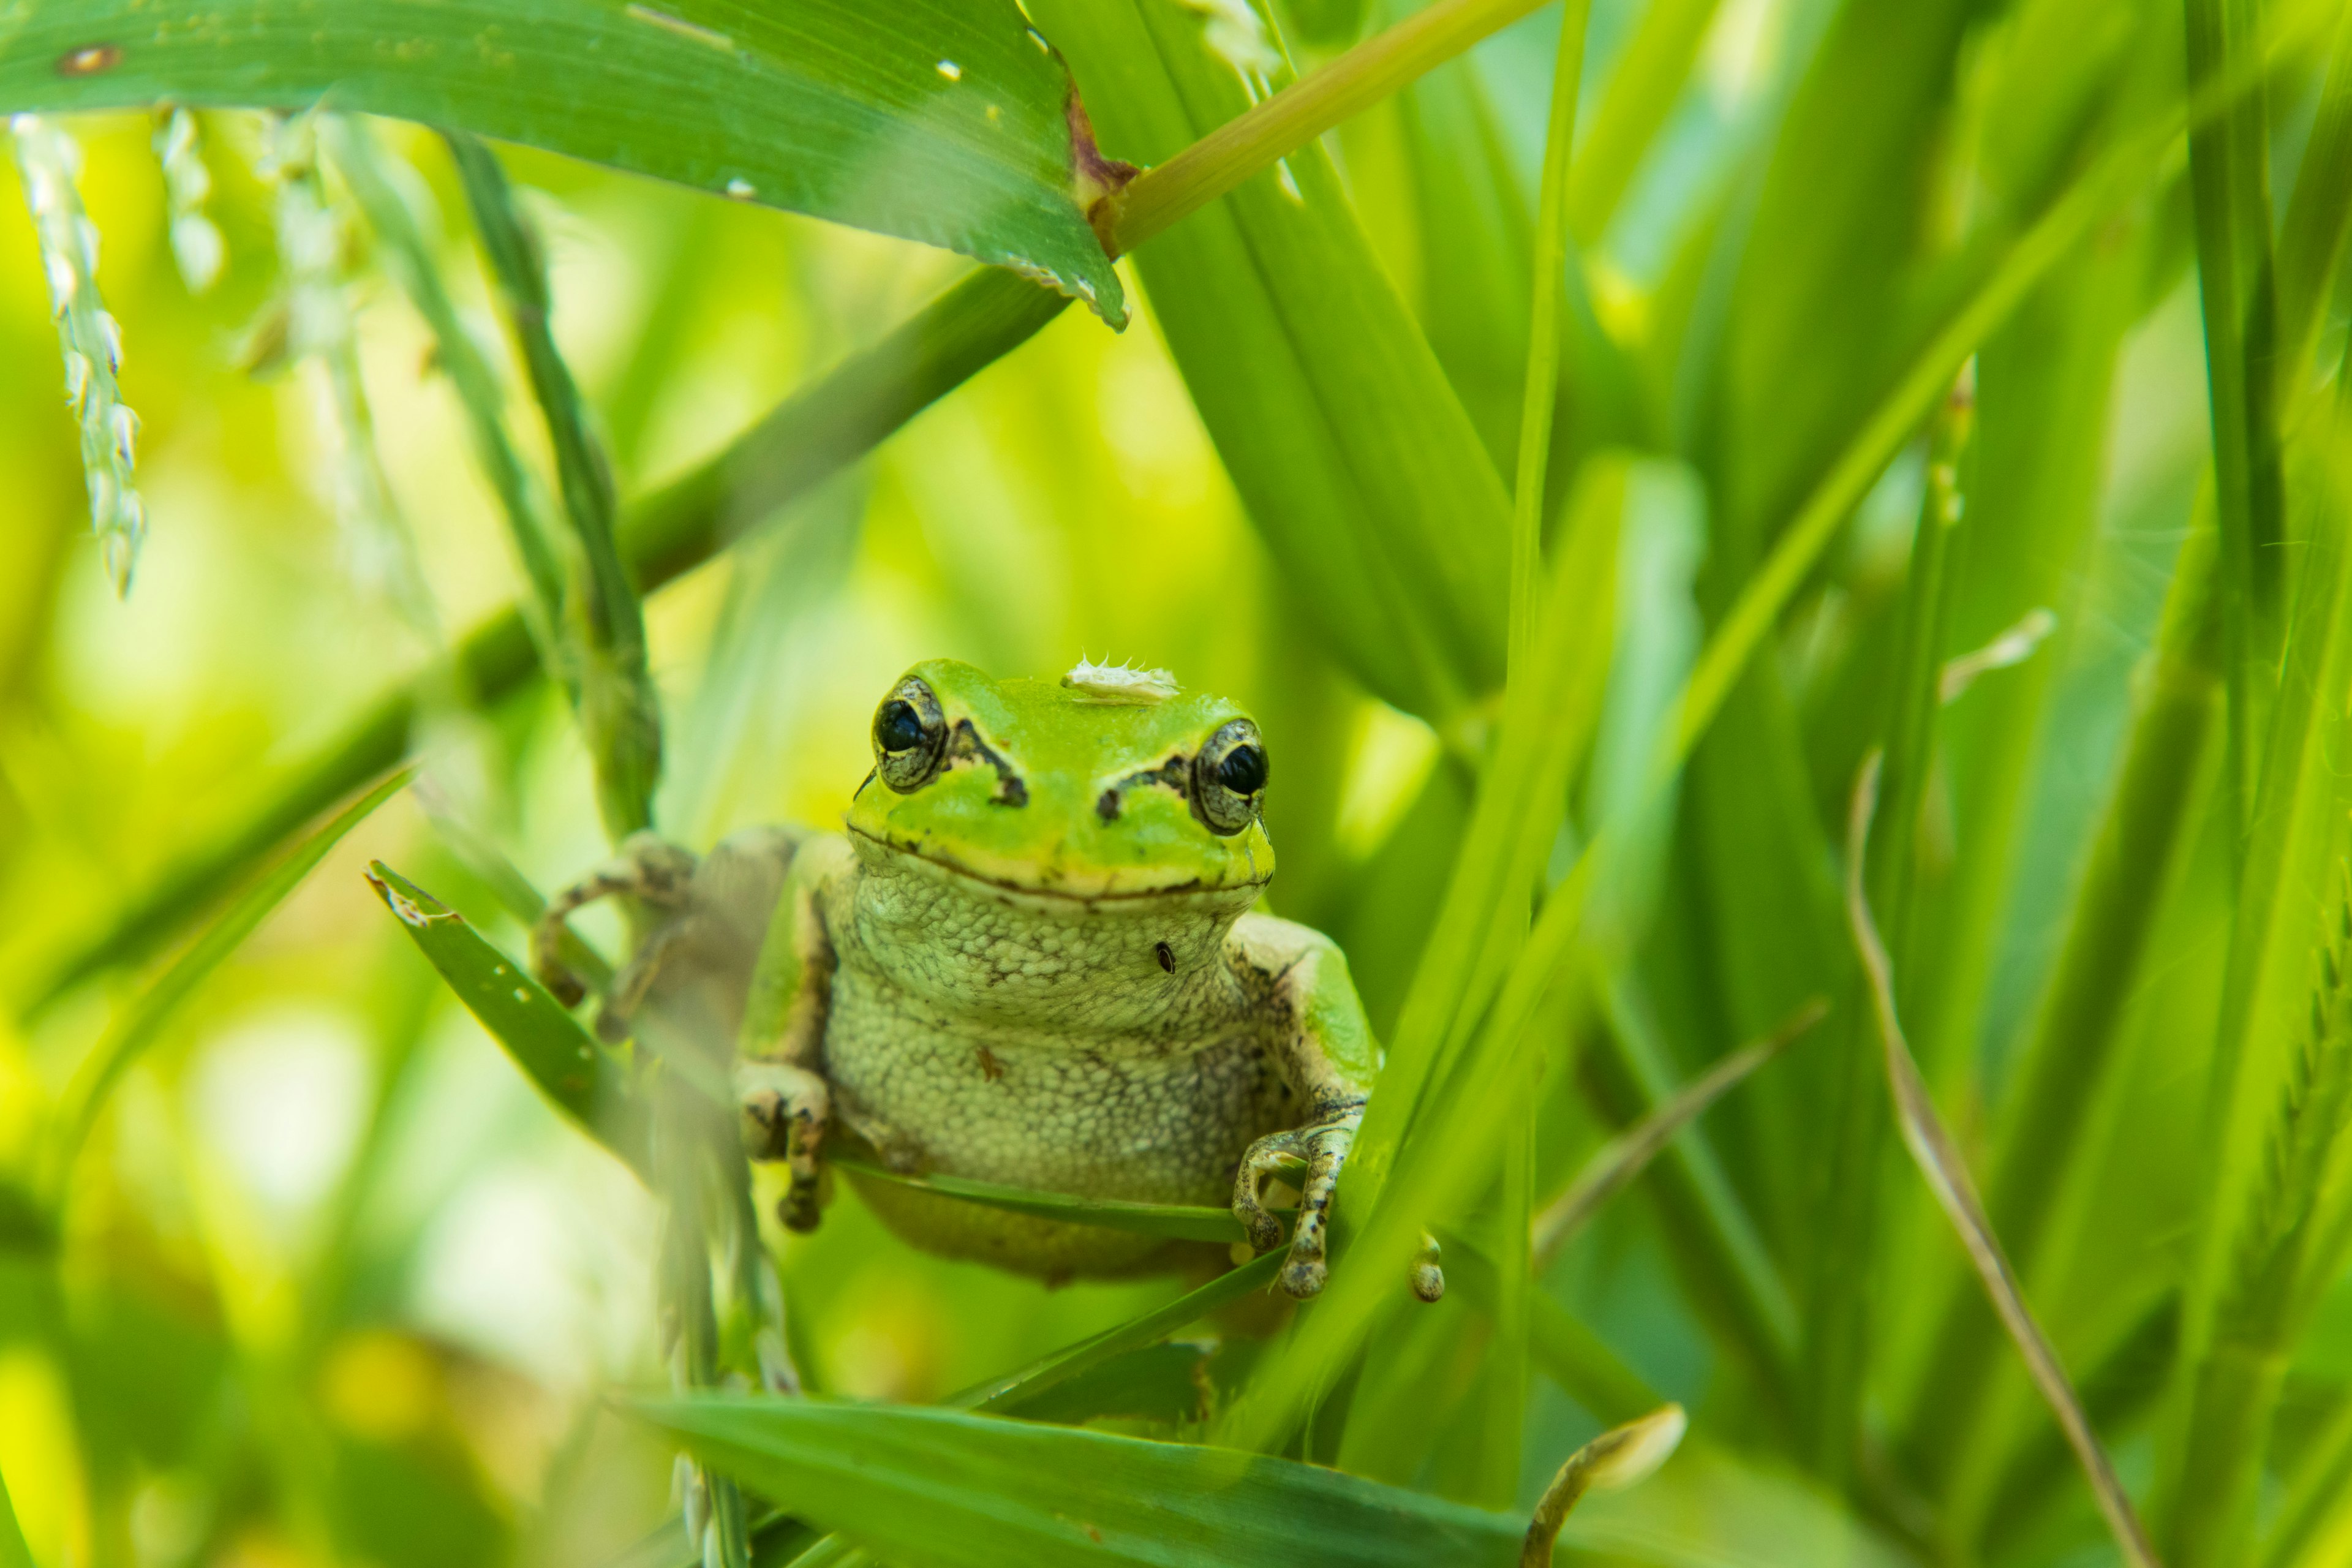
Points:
(787, 1105)
(1324, 1048)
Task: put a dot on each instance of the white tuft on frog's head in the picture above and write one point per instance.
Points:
(1120, 684)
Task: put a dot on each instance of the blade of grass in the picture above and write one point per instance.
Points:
(2318, 1493)
(543, 1038)
(409, 257)
(140, 1025)
(14, 1552)
(1171, 1220)
(1946, 1171)
(2228, 169)
(1550, 258)
(619, 714)
(952, 1487)
(1614, 1166)
(1619, 1458)
(2141, 837)
(1835, 1351)
(1643, 85)
(2318, 215)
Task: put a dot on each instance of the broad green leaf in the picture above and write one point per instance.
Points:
(946, 121)
(554, 1052)
(1173, 1220)
(146, 1017)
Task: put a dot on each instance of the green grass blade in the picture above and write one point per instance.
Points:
(14, 1552)
(86, 1097)
(409, 256)
(1017, 1392)
(1940, 1162)
(2229, 167)
(948, 1488)
(604, 634)
(545, 1041)
(2141, 837)
(1542, 389)
(1354, 457)
(1642, 88)
(1173, 1220)
(2318, 216)
(931, 120)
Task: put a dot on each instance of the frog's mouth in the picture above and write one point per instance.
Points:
(1117, 885)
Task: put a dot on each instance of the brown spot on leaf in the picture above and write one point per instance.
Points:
(990, 1068)
(89, 59)
(1098, 182)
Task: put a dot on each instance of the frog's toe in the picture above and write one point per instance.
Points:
(786, 1111)
(1304, 1277)
(1268, 1155)
(1428, 1280)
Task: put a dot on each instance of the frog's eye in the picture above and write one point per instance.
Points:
(910, 734)
(1229, 778)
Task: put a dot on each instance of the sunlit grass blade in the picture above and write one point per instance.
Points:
(953, 1488)
(1643, 85)
(1619, 1458)
(605, 630)
(1174, 1220)
(935, 121)
(139, 1027)
(408, 256)
(1945, 1171)
(549, 1047)
(1613, 1167)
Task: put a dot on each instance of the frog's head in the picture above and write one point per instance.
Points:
(1109, 784)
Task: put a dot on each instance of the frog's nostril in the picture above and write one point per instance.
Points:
(1106, 805)
(1166, 956)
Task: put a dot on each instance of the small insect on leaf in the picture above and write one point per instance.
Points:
(90, 60)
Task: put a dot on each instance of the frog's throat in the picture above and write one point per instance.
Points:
(1067, 892)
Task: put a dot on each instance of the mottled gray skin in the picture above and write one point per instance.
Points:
(1058, 985)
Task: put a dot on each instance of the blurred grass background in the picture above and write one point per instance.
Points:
(331, 1284)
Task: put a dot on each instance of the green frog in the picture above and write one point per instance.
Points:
(1030, 957)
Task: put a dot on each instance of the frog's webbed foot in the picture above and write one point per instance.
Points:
(1322, 1145)
(786, 1112)
(648, 868)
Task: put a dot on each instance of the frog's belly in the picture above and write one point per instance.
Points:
(1032, 1112)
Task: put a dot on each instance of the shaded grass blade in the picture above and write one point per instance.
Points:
(833, 108)
(139, 1027)
(1614, 1166)
(543, 1039)
(1947, 1175)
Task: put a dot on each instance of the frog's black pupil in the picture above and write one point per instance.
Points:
(1243, 770)
(898, 727)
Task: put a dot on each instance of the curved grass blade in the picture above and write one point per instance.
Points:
(1623, 1158)
(1619, 1458)
(1947, 1173)
(554, 1052)
(1173, 1220)
(87, 1095)
(946, 121)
